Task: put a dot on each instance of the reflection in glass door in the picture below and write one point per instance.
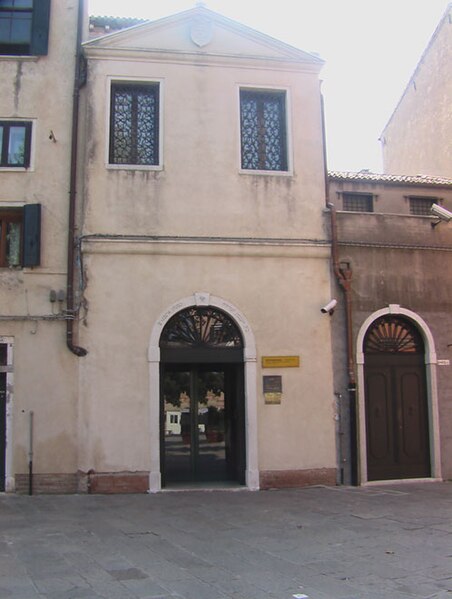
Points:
(201, 424)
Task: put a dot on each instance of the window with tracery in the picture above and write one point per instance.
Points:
(393, 334)
(263, 130)
(201, 327)
(134, 124)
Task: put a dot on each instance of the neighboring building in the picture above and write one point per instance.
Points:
(204, 251)
(418, 136)
(396, 268)
(37, 373)
(99, 26)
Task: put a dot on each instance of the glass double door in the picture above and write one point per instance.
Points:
(202, 415)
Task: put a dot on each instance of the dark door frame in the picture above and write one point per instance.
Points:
(236, 373)
(6, 371)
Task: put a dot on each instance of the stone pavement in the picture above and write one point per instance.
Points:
(391, 542)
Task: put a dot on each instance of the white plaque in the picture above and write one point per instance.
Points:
(201, 31)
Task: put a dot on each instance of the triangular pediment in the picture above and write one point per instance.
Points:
(201, 31)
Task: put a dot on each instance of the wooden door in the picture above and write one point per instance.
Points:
(397, 425)
(396, 419)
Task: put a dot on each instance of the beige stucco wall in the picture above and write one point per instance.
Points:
(418, 137)
(44, 383)
(200, 130)
(44, 372)
(278, 291)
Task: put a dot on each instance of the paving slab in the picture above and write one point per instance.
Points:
(388, 541)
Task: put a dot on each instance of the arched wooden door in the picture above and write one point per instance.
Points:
(397, 427)
(202, 411)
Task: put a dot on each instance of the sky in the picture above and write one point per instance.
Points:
(370, 48)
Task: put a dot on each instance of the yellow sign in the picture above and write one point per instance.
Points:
(273, 398)
(280, 361)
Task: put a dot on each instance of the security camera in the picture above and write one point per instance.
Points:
(441, 212)
(329, 307)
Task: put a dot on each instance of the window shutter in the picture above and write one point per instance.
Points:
(31, 251)
(27, 148)
(40, 28)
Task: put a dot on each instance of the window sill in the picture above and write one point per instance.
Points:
(14, 169)
(266, 173)
(134, 167)
(23, 57)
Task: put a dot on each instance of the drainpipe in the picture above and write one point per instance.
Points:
(78, 351)
(30, 454)
(344, 275)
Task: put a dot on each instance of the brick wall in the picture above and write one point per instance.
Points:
(286, 479)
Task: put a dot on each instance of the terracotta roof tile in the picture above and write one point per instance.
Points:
(368, 177)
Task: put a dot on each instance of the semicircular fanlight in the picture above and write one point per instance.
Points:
(392, 334)
(201, 327)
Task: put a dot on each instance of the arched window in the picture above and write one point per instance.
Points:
(200, 334)
(393, 334)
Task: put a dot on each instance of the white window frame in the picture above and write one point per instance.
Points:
(31, 166)
(288, 125)
(134, 167)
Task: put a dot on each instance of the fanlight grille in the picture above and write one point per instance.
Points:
(200, 327)
(391, 334)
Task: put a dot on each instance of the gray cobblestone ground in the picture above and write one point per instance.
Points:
(391, 542)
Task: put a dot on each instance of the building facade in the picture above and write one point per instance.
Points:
(211, 222)
(394, 279)
(418, 137)
(38, 375)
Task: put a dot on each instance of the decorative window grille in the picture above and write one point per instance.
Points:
(200, 327)
(358, 202)
(421, 206)
(392, 334)
(263, 130)
(15, 143)
(134, 124)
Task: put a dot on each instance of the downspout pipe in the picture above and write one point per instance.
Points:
(75, 349)
(344, 276)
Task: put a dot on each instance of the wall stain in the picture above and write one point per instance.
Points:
(17, 84)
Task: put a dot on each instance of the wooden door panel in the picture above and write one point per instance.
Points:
(413, 430)
(379, 418)
(396, 419)
(411, 415)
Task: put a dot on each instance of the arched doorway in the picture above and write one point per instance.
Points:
(202, 398)
(396, 404)
(203, 299)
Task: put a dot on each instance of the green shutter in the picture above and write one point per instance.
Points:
(31, 251)
(40, 28)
